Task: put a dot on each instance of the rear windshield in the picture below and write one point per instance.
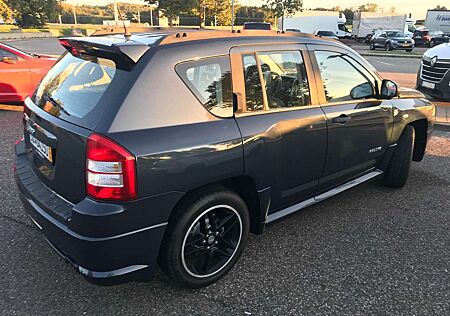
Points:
(257, 26)
(73, 88)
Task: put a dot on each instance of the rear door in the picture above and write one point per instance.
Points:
(67, 106)
(282, 125)
(15, 77)
(359, 127)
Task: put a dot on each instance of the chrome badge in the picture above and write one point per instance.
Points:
(433, 61)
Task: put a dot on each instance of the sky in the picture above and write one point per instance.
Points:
(418, 8)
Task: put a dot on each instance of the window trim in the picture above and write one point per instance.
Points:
(236, 54)
(195, 93)
(319, 83)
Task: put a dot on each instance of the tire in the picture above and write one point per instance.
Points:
(388, 47)
(409, 50)
(432, 44)
(397, 171)
(372, 46)
(194, 234)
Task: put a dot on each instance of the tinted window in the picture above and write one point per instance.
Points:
(340, 74)
(395, 34)
(5, 53)
(210, 80)
(253, 89)
(325, 33)
(257, 26)
(73, 87)
(284, 78)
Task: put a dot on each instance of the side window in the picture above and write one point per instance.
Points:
(210, 81)
(253, 89)
(341, 75)
(285, 80)
(5, 53)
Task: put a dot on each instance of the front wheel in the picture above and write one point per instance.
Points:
(205, 238)
(372, 46)
(409, 50)
(388, 47)
(397, 171)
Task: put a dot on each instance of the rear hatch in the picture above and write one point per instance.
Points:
(77, 93)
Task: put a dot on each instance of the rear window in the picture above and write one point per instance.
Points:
(72, 89)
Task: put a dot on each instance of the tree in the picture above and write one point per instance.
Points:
(284, 8)
(34, 12)
(5, 11)
(172, 8)
(440, 7)
(221, 9)
(368, 7)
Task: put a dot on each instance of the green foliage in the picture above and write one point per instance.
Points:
(219, 8)
(440, 7)
(284, 7)
(172, 8)
(34, 12)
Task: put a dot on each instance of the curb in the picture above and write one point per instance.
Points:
(390, 55)
(17, 108)
(442, 127)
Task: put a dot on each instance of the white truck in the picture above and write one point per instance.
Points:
(313, 21)
(438, 20)
(365, 23)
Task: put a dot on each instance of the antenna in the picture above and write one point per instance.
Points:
(126, 34)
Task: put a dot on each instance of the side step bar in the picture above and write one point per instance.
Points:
(294, 208)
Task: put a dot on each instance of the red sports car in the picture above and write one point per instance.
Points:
(20, 73)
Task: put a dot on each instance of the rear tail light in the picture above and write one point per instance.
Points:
(110, 170)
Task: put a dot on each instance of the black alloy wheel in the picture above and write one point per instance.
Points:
(211, 241)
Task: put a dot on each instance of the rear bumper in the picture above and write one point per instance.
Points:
(96, 238)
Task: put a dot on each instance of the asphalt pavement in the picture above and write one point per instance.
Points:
(369, 250)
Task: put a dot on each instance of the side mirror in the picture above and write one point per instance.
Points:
(389, 89)
(8, 60)
(362, 91)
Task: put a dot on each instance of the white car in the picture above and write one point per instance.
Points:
(434, 73)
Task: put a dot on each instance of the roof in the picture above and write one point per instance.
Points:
(134, 47)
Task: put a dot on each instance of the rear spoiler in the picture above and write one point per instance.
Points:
(122, 51)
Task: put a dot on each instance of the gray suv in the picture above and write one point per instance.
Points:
(171, 147)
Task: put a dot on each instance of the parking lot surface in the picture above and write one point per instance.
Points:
(369, 250)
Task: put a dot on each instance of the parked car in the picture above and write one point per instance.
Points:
(122, 168)
(328, 34)
(293, 30)
(257, 26)
(429, 38)
(20, 73)
(390, 40)
(433, 77)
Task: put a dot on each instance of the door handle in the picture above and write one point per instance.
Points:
(341, 119)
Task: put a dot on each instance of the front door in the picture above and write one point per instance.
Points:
(359, 126)
(283, 127)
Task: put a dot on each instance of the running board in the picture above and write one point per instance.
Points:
(323, 196)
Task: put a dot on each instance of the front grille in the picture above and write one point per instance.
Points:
(436, 72)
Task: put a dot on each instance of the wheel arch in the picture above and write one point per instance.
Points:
(245, 187)
(420, 138)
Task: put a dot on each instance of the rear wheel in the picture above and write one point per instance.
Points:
(397, 172)
(205, 238)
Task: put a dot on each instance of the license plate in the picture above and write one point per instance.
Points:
(405, 45)
(42, 149)
(428, 85)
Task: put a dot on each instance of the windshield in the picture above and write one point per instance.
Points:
(73, 88)
(395, 34)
